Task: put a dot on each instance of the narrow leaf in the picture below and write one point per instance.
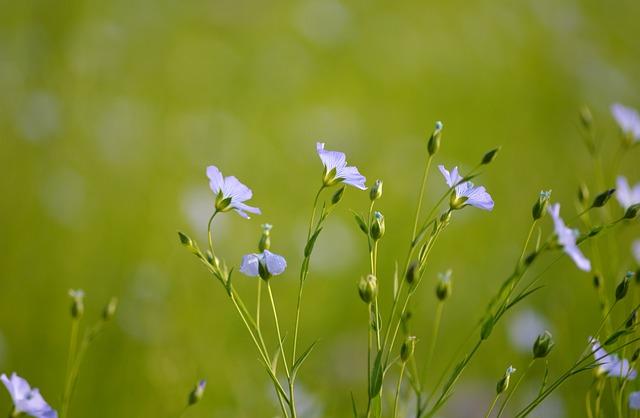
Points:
(376, 376)
(361, 222)
(302, 358)
(308, 249)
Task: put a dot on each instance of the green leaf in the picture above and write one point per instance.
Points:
(376, 407)
(353, 406)
(522, 296)
(227, 284)
(616, 335)
(376, 376)
(308, 249)
(301, 359)
(361, 222)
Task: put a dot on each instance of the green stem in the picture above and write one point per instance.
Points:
(398, 386)
(258, 300)
(421, 197)
(73, 344)
(493, 404)
(515, 387)
(434, 337)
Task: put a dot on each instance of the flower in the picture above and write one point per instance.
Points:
(230, 193)
(465, 193)
(628, 120)
(265, 264)
(635, 248)
(634, 400)
(567, 238)
(610, 364)
(336, 169)
(27, 400)
(626, 195)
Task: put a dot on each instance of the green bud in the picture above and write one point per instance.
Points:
(586, 119)
(489, 156)
(583, 194)
(77, 303)
(632, 211)
(623, 286)
(543, 345)
(110, 310)
(376, 191)
(377, 226)
(503, 384)
(529, 259)
(188, 242)
(635, 355)
(540, 206)
(632, 319)
(602, 198)
(265, 238)
(368, 288)
(412, 273)
(197, 392)
(597, 280)
(407, 348)
(443, 288)
(434, 141)
(337, 196)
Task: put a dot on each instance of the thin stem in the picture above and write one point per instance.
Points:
(73, 344)
(434, 337)
(421, 197)
(397, 397)
(515, 387)
(493, 404)
(258, 300)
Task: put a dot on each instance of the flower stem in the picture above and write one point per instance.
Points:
(434, 337)
(395, 402)
(515, 387)
(493, 404)
(73, 346)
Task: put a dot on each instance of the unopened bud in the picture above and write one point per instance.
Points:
(407, 348)
(543, 345)
(623, 286)
(503, 384)
(378, 226)
(597, 280)
(443, 288)
(265, 238)
(368, 288)
(337, 196)
(77, 303)
(376, 191)
(434, 141)
(412, 273)
(635, 355)
(110, 310)
(602, 198)
(583, 194)
(489, 156)
(632, 211)
(586, 119)
(632, 319)
(197, 392)
(188, 242)
(540, 206)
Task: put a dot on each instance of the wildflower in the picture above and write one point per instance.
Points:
(635, 248)
(230, 193)
(27, 400)
(197, 392)
(77, 305)
(443, 288)
(627, 196)
(503, 384)
(610, 364)
(567, 238)
(336, 169)
(465, 193)
(265, 264)
(634, 400)
(628, 120)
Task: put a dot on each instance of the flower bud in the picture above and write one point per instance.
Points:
(503, 384)
(586, 119)
(337, 196)
(635, 355)
(265, 238)
(540, 207)
(377, 227)
(443, 288)
(197, 392)
(407, 348)
(583, 194)
(376, 191)
(188, 242)
(110, 310)
(77, 303)
(597, 280)
(434, 141)
(623, 286)
(602, 198)
(412, 273)
(632, 319)
(543, 345)
(368, 288)
(632, 211)
(489, 156)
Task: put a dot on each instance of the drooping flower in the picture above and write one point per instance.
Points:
(567, 238)
(466, 193)
(634, 400)
(230, 193)
(635, 248)
(27, 400)
(336, 169)
(625, 194)
(610, 364)
(628, 120)
(265, 264)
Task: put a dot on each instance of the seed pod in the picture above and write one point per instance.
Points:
(489, 156)
(265, 238)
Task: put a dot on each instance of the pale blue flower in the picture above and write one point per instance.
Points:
(628, 120)
(610, 364)
(27, 400)
(265, 264)
(336, 169)
(634, 400)
(230, 193)
(466, 193)
(625, 194)
(567, 238)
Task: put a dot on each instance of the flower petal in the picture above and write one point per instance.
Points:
(276, 264)
(237, 191)
(216, 181)
(331, 159)
(352, 177)
(249, 265)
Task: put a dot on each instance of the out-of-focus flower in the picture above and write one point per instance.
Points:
(27, 400)
(466, 193)
(634, 400)
(230, 193)
(625, 194)
(628, 120)
(567, 238)
(610, 364)
(336, 169)
(265, 264)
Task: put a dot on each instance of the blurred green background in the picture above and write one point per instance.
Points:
(111, 110)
